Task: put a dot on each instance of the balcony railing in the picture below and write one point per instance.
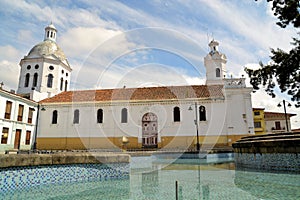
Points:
(235, 83)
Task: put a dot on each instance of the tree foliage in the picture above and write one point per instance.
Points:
(284, 70)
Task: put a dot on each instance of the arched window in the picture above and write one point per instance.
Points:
(35, 78)
(76, 117)
(50, 81)
(27, 77)
(124, 115)
(61, 84)
(202, 113)
(100, 116)
(54, 117)
(176, 114)
(218, 72)
(66, 85)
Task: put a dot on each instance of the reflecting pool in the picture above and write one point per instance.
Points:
(151, 179)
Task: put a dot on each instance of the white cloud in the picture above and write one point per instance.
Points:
(9, 74)
(9, 53)
(80, 41)
(148, 74)
(10, 69)
(262, 31)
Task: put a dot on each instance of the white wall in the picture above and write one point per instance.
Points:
(216, 124)
(13, 124)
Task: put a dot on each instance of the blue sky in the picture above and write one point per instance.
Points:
(143, 43)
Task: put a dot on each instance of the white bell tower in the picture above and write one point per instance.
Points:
(45, 71)
(215, 64)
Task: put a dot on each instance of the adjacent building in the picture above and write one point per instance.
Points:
(259, 121)
(277, 123)
(266, 122)
(17, 121)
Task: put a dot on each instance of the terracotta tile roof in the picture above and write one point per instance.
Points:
(277, 115)
(147, 93)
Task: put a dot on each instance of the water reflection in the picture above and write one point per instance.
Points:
(209, 181)
(269, 185)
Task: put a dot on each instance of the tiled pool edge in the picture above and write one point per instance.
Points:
(270, 152)
(23, 171)
(18, 160)
(268, 161)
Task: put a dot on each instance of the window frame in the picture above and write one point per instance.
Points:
(100, 116)
(30, 115)
(61, 83)
(35, 79)
(256, 113)
(218, 72)
(4, 139)
(28, 137)
(257, 123)
(50, 80)
(76, 116)
(176, 114)
(124, 115)
(8, 107)
(27, 79)
(20, 113)
(54, 117)
(202, 113)
(66, 85)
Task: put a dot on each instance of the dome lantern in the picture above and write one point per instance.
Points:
(50, 33)
(213, 46)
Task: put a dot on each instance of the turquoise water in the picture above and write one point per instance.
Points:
(150, 179)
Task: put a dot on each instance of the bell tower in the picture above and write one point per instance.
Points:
(215, 64)
(45, 71)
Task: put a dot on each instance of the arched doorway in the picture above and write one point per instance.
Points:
(149, 130)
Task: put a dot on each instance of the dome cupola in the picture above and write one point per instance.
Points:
(50, 33)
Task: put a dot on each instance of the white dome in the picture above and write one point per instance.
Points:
(45, 49)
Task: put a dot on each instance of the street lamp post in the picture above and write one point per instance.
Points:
(285, 115)
(36, 128)
(196, 123)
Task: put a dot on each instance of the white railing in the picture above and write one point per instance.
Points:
(234, 83)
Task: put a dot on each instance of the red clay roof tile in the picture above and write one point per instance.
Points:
(147, 93)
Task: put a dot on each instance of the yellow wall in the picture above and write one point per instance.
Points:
(178, 142)
(259, 118)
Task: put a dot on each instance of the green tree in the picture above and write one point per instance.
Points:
(284, 70)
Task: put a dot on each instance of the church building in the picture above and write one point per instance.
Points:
(171, 117)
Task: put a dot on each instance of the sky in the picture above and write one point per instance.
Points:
(133, 43)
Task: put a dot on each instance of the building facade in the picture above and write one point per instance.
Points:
(17, 121)
(219, 112)
(215, 114)
(259, 121)
(266, 122)
(277, 123)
